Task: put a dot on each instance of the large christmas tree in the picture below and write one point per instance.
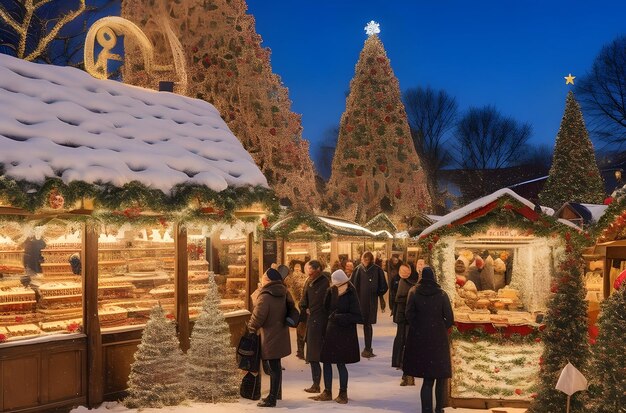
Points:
(156, 376)
(375, 166)
(565, 336)
(608, 374)
(212, 375)
(574, 175)
(226, 66)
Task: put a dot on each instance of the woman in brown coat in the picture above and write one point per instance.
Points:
(268, 319)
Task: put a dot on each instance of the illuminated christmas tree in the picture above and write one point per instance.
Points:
(608, 373)
(156, 375)
(226, 66)
(574, 175)
(211, 373)
(375, 165)
(565, 338)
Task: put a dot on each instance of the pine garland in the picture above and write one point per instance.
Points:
(211, 372)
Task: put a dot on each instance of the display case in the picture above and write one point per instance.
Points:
(40, 280)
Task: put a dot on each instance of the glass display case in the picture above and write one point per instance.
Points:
(135, 273)
(40, 280)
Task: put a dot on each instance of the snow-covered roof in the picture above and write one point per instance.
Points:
(333, 225)
(589, 213)
(61, 122)
(479, 203)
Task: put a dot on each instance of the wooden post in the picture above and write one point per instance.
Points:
(251, 281)
(95, 368)
(334, 250)
(181, 287)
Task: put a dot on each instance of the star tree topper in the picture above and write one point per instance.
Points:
(372, 28)
(569, 79)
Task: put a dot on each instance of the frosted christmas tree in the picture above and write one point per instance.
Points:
(157, 376)
(211, 374)
(376, 166)
(226, 66)
(574, 175)
(608, 373)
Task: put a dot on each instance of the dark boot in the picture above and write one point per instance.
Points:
(404, 381)
(315, 388)
(324, 396)
(269, 401)
(410, 381)
(343, 397)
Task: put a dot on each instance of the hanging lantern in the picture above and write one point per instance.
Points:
(55, 199)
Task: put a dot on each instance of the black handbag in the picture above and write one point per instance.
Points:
(250, 386)
(293, 315)
(249, 352)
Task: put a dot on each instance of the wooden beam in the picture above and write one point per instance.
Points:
(181, 287)
(95, 368)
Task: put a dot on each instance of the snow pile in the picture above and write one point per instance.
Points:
(61, 122)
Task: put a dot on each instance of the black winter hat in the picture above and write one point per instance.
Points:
(274, 275)
(428, 274)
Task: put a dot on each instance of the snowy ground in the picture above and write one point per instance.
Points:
(373, 386)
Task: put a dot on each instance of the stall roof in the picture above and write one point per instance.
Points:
(332, 225)
(61, 122)
(589, 213)
(480, 203)
(381, 222)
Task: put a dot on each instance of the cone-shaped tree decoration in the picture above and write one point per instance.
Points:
(227, 67)
(608, 374)
(574, 175)
(157, 376)
(565, 338)
(375, 164)
(212, 375)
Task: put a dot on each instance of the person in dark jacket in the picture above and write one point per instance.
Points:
(341, 345)
(312, 303)
(408, 278)
(268, 319)
(369, 281)
(427, 350)
(393, 279)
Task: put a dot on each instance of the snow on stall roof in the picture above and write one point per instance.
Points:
(60, 121)
(596, 210)
(479, 203)
(350, 225)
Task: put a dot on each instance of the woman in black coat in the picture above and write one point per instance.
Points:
(427, 349)
(408, 278)
(370, 283)
(341, 345)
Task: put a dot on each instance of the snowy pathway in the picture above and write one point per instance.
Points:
(373, 386)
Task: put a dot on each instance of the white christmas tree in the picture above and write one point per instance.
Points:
(211, 373)
(157, 375)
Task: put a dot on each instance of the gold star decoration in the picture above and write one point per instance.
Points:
(569, 79)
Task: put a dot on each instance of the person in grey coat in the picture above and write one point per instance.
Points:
(370, 283)
(312, 303)
(427, 349)
(408, 278)
(268, 319)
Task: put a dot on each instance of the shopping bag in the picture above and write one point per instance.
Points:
(249, 352)
(250, 386)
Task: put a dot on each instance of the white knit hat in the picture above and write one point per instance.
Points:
(339, 277)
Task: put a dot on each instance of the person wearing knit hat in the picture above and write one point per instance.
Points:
(408, 279)
(341, 344)
(427, 355)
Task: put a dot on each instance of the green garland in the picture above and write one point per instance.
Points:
(112, 200)
(293, 221)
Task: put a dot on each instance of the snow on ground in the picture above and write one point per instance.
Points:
(373, 387)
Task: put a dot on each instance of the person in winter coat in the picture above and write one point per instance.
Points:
(295, 283)
(268, 319)
(427, 354)
(408, 278)
(393, 279)
(312, 303)
(370, 283)
(341, 345)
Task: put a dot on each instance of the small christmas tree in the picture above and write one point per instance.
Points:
(375, 165)
(608, 376)
(157, 376)
(574, 175)
(211, 373)
(565, 336)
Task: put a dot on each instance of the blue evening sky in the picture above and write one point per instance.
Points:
(511, 54)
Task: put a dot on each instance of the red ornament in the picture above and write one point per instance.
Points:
(518, 392)
(163, 222)
(538, 340)
(349, 128)
(388, 119)
(508, 206)
(265, 222)
(229, 74)
(132, 212)
(359, 171)
(389, 107)
(619, 281)
(73, 327)
(496, 370)
(380, 59)
(273, 131)
(568, 236)
(194, 49)
(554, 288)
(608, 200)
(373, 72)
(170, 316)
(436, 238)
(533, 395)
(400, 141)
(19, 319)
(3, 338)
(55, 199)
(430, 247)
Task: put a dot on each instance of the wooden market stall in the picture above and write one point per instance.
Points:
(113, 199)
(495, 258)
(302, 236)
